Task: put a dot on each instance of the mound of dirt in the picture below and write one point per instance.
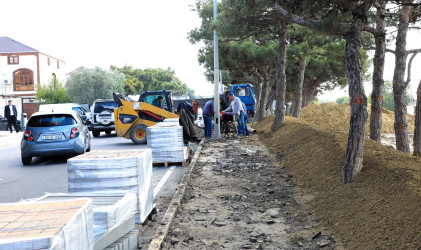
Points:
(380, 209)
(336, 116)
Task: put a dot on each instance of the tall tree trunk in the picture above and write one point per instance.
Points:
(260, 112)
(358, 102)
(258, 94)
(280, 79)
(378, 81)
(309, 92)
(399, 84)
(272, 97)
(417, 130)
(299, 88)
(258, 87)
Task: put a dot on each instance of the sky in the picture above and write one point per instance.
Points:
(138, 33)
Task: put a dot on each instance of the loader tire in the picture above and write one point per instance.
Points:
(138, 134)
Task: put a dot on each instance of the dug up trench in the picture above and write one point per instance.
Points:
(283, 190)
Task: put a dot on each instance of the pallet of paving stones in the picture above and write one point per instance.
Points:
(47, 225)
(113, 214)
(114, 172)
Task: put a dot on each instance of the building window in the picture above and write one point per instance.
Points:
(23, 80)
(48, 61)
(58, 64)
(13, 59)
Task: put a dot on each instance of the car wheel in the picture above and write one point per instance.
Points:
(26, 160)
(108, 132)
(138, 134)
(95, 133)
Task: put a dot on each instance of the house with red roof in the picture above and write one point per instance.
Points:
(22, 67)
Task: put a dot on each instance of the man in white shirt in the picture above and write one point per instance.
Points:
(11, 113)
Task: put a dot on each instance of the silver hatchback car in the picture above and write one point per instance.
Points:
(58, 133)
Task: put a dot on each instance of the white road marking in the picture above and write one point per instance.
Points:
(162, 181)
(102, 142)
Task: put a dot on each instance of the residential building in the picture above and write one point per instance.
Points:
(22, 67)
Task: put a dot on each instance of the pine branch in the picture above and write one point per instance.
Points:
(408, 52)
(408, 78)
(342, 28)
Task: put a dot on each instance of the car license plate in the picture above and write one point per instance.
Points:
(51, 137)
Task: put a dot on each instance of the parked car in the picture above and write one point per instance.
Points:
(59, 107)
(54, 133)
(102, 112)
(3, 124)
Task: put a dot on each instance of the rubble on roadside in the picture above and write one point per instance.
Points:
(239, 198)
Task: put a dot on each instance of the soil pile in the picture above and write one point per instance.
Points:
(336, 116)
(380, 209)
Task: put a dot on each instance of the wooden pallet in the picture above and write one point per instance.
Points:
(183, 163)
(151, 217)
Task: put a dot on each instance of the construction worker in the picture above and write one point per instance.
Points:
(238, 112)
(158, 102)
(208, 114)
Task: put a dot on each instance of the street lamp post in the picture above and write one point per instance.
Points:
(4, 80)
(216, 74)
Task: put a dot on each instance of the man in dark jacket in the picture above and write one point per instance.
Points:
(11, 113)
(208, 114)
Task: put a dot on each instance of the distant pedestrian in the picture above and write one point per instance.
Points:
(238, 112)
(208, 114)
(11, 113)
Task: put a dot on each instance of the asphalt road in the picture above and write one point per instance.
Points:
(49, 174)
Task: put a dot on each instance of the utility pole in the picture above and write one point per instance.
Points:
(216, 130)
(5, 94)
(5, 86)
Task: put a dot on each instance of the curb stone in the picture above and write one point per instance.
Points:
(169, 216)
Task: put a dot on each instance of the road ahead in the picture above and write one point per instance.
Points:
(49, 174)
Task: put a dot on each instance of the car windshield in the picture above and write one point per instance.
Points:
(51, 120)
(101, 106)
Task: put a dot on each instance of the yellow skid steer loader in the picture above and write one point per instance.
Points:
(132, 118)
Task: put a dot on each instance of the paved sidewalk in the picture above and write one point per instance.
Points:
(8, 139)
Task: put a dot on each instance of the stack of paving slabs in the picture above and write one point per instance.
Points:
(47, 225)
(108, 217)
(114, 172)
(167, 143)
(109, 211)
